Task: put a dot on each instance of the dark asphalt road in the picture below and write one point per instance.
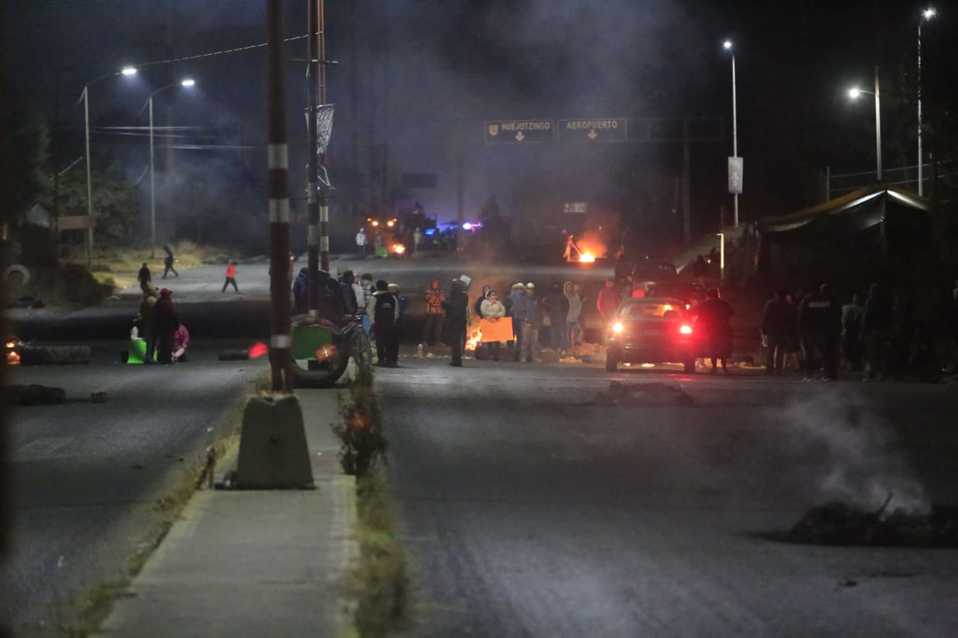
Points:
(530, 510)
(88, 475)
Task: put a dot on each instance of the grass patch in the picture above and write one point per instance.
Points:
(381, 578)
(119, 266)
(380, 584)
(90, 608)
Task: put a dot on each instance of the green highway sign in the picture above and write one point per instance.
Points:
(592, 130)
(518, 131)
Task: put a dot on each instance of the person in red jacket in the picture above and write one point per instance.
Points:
(230, 276)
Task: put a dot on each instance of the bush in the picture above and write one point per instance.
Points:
(360, 432)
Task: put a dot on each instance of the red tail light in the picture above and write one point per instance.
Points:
(685, 329)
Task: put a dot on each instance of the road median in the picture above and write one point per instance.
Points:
(253, 562)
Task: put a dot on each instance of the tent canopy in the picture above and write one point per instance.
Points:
(857, 211)
(869, 232)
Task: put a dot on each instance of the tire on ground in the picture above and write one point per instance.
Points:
(17, 276)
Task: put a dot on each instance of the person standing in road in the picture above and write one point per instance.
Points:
(777, 320)
(350, 300)
(457, 319)
(531, 316)
(361, 242)
(714, 316)
(820, 322)
(555, 311)
(852, 314)
(416, 240)
(231, 277)
(361, 292)
(607, 303)
(165, 324)
(573, 327)
(144, 277)
(386, 325)
(516, 310)
(300, 288)
(493, 309)
(168, 262)
(432, 331)
(147, 306)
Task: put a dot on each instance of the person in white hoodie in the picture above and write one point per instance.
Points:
(493, 309)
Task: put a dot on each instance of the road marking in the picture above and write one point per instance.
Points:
(45, 447)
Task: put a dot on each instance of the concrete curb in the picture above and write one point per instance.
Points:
(254, 563)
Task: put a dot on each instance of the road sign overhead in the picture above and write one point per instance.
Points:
(518, 131)
(614, 129)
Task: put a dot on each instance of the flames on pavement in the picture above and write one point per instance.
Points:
(474, 339)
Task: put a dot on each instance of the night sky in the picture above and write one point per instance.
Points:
(420, 77)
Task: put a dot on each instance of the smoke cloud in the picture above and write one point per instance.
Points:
(855, 457)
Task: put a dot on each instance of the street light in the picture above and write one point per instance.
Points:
(856, 92)
(185, 83)
(127, 72)
(926, 15)
(729, 46)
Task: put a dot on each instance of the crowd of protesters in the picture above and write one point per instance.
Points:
(879, 335)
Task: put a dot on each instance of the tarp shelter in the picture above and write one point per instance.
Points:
(854, 239)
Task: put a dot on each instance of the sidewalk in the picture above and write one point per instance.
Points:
(253, 563)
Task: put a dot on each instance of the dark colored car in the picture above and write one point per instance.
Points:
(652, 330)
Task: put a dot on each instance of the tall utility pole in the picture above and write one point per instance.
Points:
(734, 130)
(152, 188)
(89, 177)
(927, 14)
(278, 179)
(877, 126)
(321, 77)
(312, 197)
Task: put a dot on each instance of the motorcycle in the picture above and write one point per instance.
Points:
(326, 348)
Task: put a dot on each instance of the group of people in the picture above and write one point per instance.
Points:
(157, 330)
(551, 319)
(879, 335)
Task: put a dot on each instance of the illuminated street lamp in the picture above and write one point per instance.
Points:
(856, 92)
(729, 46)
(926, 15)
(127, 72)
(186, 83)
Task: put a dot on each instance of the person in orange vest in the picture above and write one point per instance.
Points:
(230, 276)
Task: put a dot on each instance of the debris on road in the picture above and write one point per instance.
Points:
(239, 354)
(838, 523)
(54, 355)
(35, 395)
(643, 394)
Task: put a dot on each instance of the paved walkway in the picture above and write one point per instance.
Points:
(253, 563)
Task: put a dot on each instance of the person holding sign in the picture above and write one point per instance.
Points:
(492, 314)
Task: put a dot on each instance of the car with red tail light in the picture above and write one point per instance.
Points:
(653, 330)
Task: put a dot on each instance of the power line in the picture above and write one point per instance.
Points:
(209, 54)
